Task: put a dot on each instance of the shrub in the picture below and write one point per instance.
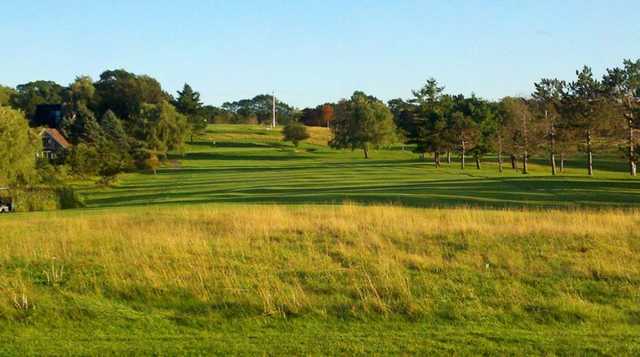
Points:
(35, 199)
(84, 160)
(46, 199)
(295, 132)
(69, 198)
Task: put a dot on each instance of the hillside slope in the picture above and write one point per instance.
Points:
(332, 279)
(250, 164)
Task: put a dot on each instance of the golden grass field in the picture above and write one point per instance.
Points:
(329, 261)
(246, 245)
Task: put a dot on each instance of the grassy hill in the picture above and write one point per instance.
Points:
(244, 245)
(250, 164)
(311, 279)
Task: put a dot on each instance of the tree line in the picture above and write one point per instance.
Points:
(124, 121)
(559, 119)
(120, 122)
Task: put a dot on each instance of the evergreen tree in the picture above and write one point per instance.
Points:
(84, 127)
(430, 93)
(547, 101)
(115, 146)
(424, 123)
(189, 104)
(622, 85)
(583, 107)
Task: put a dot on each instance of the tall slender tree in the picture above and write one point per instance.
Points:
(583, 108)
(623, 88)
(516, 128)
(465, 131)
(547, 99)
(189, 104)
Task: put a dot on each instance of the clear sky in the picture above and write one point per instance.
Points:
(312, 51)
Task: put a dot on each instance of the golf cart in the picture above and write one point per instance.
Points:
(6, 202)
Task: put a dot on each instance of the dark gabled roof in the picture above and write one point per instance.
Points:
(47, 115)
(57, 137)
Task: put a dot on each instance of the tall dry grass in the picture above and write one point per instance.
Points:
(345, 261)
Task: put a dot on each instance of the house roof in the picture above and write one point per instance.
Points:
(55, 135)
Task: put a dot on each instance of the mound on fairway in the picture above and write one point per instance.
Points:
(309, 279)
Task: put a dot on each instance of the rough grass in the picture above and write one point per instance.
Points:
(539, 281)
(157, 266)
(248, 133)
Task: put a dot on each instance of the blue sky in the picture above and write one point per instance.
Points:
(311, 52)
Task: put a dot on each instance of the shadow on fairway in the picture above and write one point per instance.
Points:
(237, 144)
(224, 156)
(606, 163)
(531, 192)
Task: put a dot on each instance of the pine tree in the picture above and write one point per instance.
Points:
(82, 126)
(583, 109)
(623, 89)
(547, 100)
(189, 104)
(115, 147)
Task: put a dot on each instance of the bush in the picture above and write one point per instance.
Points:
(52, 174)
(147, 161)
(46, 199)
(84, 160)
(69, 198)
(35, 199)
(295, 132)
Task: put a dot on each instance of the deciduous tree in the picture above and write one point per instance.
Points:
(32, 94)
(6, 93)
(362, 122)
(18, 149)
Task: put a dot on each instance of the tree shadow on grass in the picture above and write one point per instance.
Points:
(223, 156)
(238, 144)
(605, 163)
(529, 192)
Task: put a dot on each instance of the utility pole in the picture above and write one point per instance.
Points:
(630, 120)
(632, 155)
(273, 122)
(462, 146)
(525, 154)
(552, 137)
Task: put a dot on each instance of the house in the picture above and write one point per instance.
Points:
(49, 115)
(54, 145)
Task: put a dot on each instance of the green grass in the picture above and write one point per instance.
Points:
(309, 337)
(244, 246)
(250, 164)
(319, 280)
